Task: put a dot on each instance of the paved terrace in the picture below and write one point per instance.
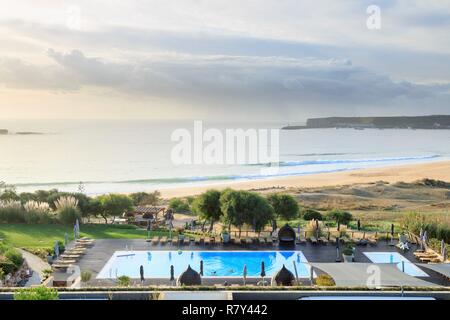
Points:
(97, 256)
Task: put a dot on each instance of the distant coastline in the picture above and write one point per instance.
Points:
(23, 133)
(414, 122)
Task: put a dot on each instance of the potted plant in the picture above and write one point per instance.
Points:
(225, 236)
(348, 253)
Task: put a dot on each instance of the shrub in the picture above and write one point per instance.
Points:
(348, 249)
(314, 227)
(7, 266)
(37, 293)
(124, 281)
(15, 257)
(67, 209)
(179, 205)
(437, 226)
(340, 217)
(86, 276)
(325, 280)
(310, 214)
(11, 211)
(37, 212)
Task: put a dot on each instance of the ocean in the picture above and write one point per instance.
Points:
(135, 155)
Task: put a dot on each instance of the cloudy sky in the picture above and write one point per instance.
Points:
(246, 59)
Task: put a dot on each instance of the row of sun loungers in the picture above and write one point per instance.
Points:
(72, 255)
(209, 240)
(427, 256)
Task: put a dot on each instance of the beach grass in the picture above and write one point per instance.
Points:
(44, 236)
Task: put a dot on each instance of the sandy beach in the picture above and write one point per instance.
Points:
(439, 170)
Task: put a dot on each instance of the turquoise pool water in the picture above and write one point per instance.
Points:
(397, 258)
(215, 263)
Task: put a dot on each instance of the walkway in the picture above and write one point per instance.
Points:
(37, 265)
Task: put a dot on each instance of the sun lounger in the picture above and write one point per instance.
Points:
(163, 240)
(372, 241)
(323, 240)
(75, 251)
(66, 261)
(269, 241)
(202, 240)
(424, 254)
(197, 240)
(186, 241)
(155, 240)
(313, 239)
(175, 241)
(262, 241)
(60, 267)
(69, 257)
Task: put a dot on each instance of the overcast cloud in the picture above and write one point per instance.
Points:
(282, 59)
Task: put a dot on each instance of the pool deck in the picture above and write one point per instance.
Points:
(97, 256)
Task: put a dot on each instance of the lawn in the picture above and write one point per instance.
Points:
(44, 236)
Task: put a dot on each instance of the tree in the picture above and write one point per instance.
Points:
(258, 212)
(232, 206)
(8, 192)
(114, 205)
(340, 217)
(285, 206)
(207, 206)
(310, 214)
(144, 198)
(179, 205)
(94, 207)
(244, 207)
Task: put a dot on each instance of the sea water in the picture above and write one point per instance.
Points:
(134, 155)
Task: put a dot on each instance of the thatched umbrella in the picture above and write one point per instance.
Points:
(201, 267)
(283, 277)
(189, 277)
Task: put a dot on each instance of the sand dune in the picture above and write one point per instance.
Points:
(439, 170)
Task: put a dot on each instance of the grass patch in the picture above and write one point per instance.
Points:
(44, 236)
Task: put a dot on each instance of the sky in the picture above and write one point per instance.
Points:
(223, 59)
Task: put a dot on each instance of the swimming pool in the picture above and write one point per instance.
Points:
(215, 263)
(395, 257)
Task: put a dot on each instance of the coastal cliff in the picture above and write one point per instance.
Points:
(415, 122)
